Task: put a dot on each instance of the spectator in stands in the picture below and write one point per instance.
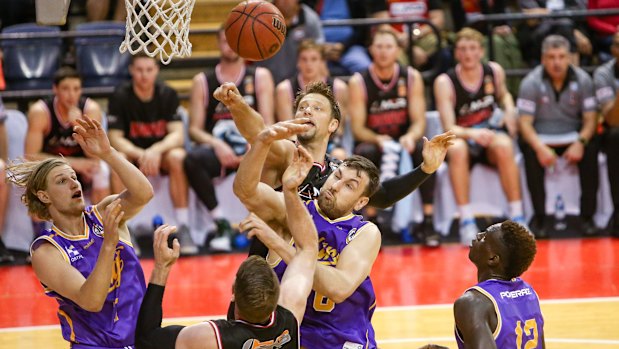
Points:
(424, 40)
(344, 45)
(603, 28)
(532, 32)
(303, 23)
(506, 50)
(219, 145)
(558, 118)
(5, 255)
(387, 110)
(50, 131)
(310, 64)
(146, 127)
(104, 10)
(606, 80)
(468, 98)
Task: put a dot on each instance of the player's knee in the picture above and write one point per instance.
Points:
(175, 158)
(502, 147)
(458, 152)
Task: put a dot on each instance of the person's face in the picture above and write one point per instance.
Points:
(343, 192)
(486, 244)
(144, 71)
(310, 64)
(64, 191)
(469, 53)
(317, 108)
(384, 50)
(227, 54)
(614, 48)
(556, 61)
(68, 91)
(288, 8)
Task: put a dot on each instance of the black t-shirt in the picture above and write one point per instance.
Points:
(144, 123)
(59, 140)
(281, 331)
(474, 108)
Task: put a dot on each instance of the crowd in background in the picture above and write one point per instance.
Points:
(556, 110)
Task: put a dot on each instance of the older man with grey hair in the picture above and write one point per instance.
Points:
(558, 119)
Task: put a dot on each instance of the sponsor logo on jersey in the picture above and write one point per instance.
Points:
(276, 343)
(74, 254)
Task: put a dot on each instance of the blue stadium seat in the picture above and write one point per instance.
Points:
(29, 64)
(98, 60)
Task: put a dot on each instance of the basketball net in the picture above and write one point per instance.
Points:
(159, 28)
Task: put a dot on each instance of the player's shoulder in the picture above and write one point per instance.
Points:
(473, 300)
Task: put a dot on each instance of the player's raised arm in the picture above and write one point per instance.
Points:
(92, 138)
(299, 276)
(256, 196)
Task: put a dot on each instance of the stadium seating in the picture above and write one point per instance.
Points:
(98, 59)
(29, 64)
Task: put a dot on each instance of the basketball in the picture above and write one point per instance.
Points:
(255, 30)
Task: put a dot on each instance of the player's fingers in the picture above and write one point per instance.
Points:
(304, 153)
(176, 248)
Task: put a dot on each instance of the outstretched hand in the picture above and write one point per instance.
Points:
(165, 256)
(284, 130)
(91, 137)
(435, 150)
(300, 166)
(255, 226)
(229, 95)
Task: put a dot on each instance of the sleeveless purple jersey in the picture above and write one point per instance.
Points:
(326, 324)
(114, 325)
(519, 319)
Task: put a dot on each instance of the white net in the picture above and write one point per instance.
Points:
(159, 28)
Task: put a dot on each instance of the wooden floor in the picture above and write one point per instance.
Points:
(577, 280)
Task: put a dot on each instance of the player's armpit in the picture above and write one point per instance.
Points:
(472, 312)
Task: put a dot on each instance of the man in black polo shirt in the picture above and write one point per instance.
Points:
(558, 118)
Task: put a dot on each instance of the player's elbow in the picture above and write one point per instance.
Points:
(91, 305)
(243, 191)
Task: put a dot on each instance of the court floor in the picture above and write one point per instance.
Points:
(577, 280)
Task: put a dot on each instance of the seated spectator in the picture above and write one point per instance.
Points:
(219, 145)
(311, 66)
(474, 103)
(532, 32)
(424, 40)
(5, 255)
(344, 45)
(303, 23)
(605, 80)
(146, 127)
(558, 118)
(388, 114)
(603, 28)
(506, 50)
(50, 131)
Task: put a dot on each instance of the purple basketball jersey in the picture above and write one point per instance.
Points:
(519, 319)
(114, 325)
(326, 324)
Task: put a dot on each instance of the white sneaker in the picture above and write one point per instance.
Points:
(468, 231)
(188, 247)
(221, 244)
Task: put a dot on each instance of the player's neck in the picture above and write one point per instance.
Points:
(489, 275)
(144, 93)
(384, 73)
(69, 224)
(230, 70)
(470, 75)
(317, 149)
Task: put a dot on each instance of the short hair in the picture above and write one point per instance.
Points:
(469, 34)
(311, 44)
(32, 176)
(65, 72)
(142, 54)
(256, 289)
(362, 164)
(321, 88)
(555, 41)
(385, 31)
(520, 246)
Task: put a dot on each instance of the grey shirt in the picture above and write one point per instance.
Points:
(556, 112)
(606, 82)
(284, 64)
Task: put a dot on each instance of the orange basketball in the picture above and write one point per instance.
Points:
(255, 30)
